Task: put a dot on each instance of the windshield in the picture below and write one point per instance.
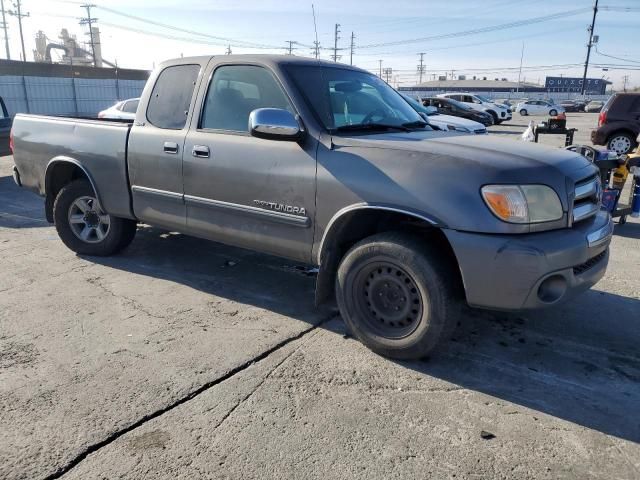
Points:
(418, 106)
(342, 97)
(460, 105)
(484, 99)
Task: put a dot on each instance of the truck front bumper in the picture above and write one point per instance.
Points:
(537, 270)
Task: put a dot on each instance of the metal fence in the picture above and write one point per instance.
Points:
(555, 96)
(64, 96)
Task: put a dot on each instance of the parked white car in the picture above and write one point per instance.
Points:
(445, 122)
(539, 107)
(126, 109)
(500, 113)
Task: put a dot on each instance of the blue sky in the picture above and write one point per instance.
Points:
(271, 23)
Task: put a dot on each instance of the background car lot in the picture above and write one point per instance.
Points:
(162, 361)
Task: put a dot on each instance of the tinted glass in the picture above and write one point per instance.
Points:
(341, 96)
(171, 96)
(237, 90)
(131, 106)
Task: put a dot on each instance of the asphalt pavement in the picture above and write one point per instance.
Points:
(182, 358)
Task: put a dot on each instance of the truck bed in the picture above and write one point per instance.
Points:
(98, 144)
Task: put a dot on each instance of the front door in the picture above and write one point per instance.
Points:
(156, 146)
(239, 189)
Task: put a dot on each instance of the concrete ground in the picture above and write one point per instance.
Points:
(182, 359)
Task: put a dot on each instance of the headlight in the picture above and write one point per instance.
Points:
(458, 128)
(523, 203)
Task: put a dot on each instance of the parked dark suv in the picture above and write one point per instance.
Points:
(448, 106)
(619, 123)
(5, 128)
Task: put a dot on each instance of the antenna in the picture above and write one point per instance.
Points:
(316, 44)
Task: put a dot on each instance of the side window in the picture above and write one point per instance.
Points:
(235, 91)
(131, 106)
(171, 96)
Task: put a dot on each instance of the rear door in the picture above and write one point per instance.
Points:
(239, 189)
(156, 144)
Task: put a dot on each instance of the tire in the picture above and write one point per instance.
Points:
(524, 112)
(621, 143)
(394, 275)
(496, 120)
(83, 227)
(553, 112)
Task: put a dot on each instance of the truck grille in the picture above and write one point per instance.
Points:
(587, 198)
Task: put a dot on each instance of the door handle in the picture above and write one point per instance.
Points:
(201, 151)
(170, 147)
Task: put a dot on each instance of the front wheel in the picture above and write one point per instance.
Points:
(553, 113)
(523, 112)
(84, 227)
(396, 296)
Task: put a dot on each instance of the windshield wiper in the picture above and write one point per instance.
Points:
(416, 124)
(371, 126)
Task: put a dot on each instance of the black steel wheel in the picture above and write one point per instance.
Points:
(397, 296)
(388, 299)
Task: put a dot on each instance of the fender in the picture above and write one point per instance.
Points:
(47, 182)
(369, 206)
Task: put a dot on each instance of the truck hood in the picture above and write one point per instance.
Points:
(508, 160)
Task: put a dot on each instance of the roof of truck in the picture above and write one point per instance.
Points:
(263, 58)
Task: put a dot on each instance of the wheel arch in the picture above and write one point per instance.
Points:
(356, 222)
(60, 171)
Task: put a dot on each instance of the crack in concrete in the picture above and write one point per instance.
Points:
(62, 470)
(252, 392)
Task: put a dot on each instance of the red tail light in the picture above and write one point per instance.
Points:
(11, 141)
(602, 118)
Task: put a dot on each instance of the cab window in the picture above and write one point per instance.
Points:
(171, 96)
(235, 91)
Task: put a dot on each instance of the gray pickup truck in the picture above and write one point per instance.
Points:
(326, 164)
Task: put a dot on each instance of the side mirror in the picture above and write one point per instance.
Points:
(274, 124)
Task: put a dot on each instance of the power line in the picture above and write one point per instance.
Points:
(241, 43)
(476, 31)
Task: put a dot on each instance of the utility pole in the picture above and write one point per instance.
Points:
(18, 13)
(520, 71)
(625, 79)
(421, 68)
(589, 45)
(88, 20)
(228, 50)
(380, 70)
(6, 34)
(387, 73)
(290, 48)
(316, 49)
(335, 55)
(353, 46)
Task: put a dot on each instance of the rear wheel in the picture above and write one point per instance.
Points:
(621, 143)
(397, 297)
(553, 112)
(524, 112)
(84, 227)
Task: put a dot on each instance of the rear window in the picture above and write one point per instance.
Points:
(171, 96)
